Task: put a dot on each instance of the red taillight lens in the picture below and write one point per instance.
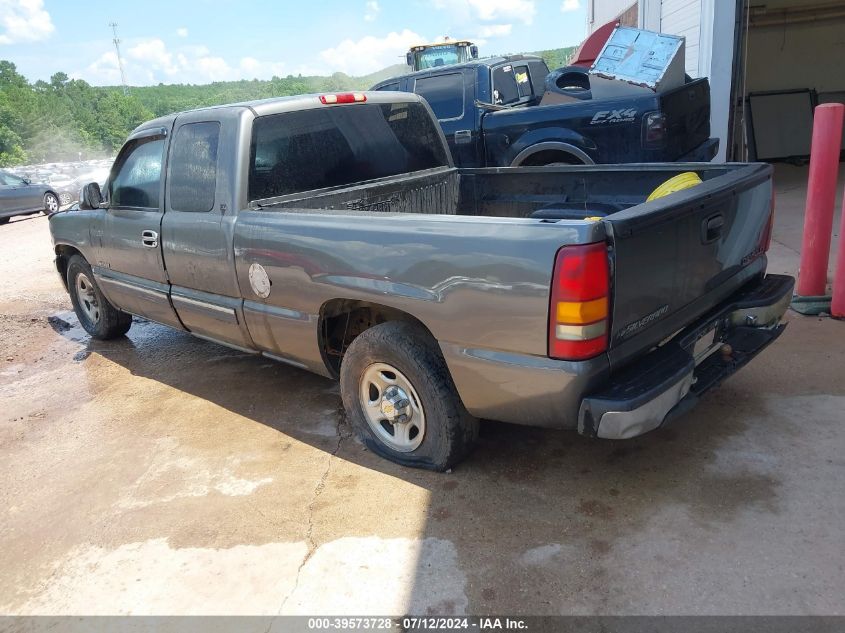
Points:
(581, 272)
(346, 97)
(579, 314)
(654, 129)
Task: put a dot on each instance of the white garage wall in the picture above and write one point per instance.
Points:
(683, 17)
(600, 12)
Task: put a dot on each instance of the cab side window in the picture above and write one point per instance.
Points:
(137, 175)
(511, 84)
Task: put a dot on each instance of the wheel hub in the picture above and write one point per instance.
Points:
(392, 407)
(396, 405)
(87, 297)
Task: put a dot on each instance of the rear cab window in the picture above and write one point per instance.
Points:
(444, 93)
(335, 146)
(512, 84)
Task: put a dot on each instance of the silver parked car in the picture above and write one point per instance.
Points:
(18, 196)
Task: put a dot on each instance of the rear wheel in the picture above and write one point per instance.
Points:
(99, 317)
(401, 400)
(51, 203)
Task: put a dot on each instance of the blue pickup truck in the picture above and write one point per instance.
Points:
(491, 113)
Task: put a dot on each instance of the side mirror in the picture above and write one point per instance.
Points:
(409, 59)
(90, 197)
(473, 50)
(26, 181)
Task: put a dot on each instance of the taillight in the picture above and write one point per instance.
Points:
(579, 314)
(654, 129)
(770, 227)
(346, 97)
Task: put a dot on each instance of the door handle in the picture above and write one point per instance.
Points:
(463, 136)
(149, 239)
(711, 228)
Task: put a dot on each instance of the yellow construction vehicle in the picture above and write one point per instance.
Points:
(443, 53)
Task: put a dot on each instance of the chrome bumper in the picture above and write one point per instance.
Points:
(667, 381)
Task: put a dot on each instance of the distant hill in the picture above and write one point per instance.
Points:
(556, 57)
(66, 117)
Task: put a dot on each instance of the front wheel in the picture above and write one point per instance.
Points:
(51, 203)
(99, 317)
(400, 398)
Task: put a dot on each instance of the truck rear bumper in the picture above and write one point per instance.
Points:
(671, 379)
(704, 153)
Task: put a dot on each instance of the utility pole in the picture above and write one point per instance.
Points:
(116, 41)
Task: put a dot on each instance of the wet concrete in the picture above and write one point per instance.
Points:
(164, 474)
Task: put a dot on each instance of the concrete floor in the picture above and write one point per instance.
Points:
(161, 474)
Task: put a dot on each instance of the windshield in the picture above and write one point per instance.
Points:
(444, 55)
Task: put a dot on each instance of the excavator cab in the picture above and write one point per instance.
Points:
(445, 53)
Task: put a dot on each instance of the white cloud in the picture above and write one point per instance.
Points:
(104, 68)
(521, 10)
(151, 61)
(24, 21)
(494, 30)
(154, 55)
(182, 31)
(252, 68)
(570, 5)
(372, 10)
(213, 68)
(197, 50)
(250, 65)
(370, 53)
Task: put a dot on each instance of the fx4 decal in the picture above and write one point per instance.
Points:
(625, 115)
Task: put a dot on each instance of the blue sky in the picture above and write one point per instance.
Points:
(206, 40)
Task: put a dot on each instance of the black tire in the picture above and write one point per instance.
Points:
(51, 203)
(450, 431)
(5, 220)
(107, 321)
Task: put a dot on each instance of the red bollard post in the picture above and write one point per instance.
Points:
(821, 196)
(837, 305)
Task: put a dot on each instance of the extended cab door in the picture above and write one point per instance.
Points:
(451, 96)
(198, 224)
(130, 268)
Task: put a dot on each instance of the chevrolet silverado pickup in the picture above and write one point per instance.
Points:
(332, 232)
(493, 114)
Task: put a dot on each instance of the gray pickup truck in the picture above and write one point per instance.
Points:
(333, 232)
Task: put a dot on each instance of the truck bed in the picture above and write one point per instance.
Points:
(503, 192)
(667, 269)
